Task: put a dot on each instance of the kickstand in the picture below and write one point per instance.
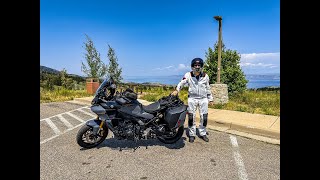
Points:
(135, 148)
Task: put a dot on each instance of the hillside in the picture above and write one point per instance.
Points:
(48, 70)
(44, 69)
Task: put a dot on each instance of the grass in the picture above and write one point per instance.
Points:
(251, 101)
(59, 95)
(259, 102)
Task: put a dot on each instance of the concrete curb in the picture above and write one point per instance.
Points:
(261, 134)
(245, 134)
(246, 128)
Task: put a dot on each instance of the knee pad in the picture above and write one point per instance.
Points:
(190, 119)
(205, 119)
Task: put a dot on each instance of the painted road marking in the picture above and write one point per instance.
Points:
(63, 113)
(48, 139)
(84, 112)
(238, 159)
(65, 121)
(74, 116)
(53, 126)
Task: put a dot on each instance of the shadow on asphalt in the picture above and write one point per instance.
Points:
(131, 145)
(120, 145)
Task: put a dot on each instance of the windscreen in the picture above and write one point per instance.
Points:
(103, 85)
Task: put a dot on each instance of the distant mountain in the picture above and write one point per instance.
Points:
(48, 70)
(54, 71)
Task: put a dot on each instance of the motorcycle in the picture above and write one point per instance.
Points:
(123, 115)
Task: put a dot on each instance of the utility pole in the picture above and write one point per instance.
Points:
(219, 18)
(218, 90)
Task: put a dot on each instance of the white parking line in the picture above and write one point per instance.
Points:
(238, 159)
(48, 139)
(86, 113)
(63, 113)
(74, 116)
(69, 125)
(53, 126)
(64, 121)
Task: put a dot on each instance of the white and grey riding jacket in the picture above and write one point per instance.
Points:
(198, 88)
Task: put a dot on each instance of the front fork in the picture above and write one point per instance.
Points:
(98, 123)
(100, 127)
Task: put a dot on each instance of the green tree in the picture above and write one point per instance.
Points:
(66, 82)
(96, 68)
(63, 77)
(230, 70)
(48, 82)
(113, 68)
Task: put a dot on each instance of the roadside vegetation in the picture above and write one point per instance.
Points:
(61, 86)
(259, 101)
(60, 94)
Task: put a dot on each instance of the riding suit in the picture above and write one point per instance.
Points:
(199, 94)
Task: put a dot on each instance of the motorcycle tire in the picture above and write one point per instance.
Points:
(172, 139)
(81, 137)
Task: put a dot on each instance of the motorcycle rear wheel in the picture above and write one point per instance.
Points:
(86, 139)
(174, 138)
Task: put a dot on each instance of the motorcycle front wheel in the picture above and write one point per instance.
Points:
(172, 138)
(86, 138)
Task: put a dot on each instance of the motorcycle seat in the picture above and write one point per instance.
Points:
(135, 110)
(151, 108)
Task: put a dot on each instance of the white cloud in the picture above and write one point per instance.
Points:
(260, 62)
(253, 56)
(179, 68)
(257, 65)
(183, 67)
(164, 68)
(253, 63)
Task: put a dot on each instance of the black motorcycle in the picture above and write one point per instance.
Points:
(128, 119)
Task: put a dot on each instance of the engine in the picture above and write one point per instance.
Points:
(126, 130)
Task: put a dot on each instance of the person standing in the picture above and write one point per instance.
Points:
(199, 96)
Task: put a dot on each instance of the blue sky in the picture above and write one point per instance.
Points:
(159, 37)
